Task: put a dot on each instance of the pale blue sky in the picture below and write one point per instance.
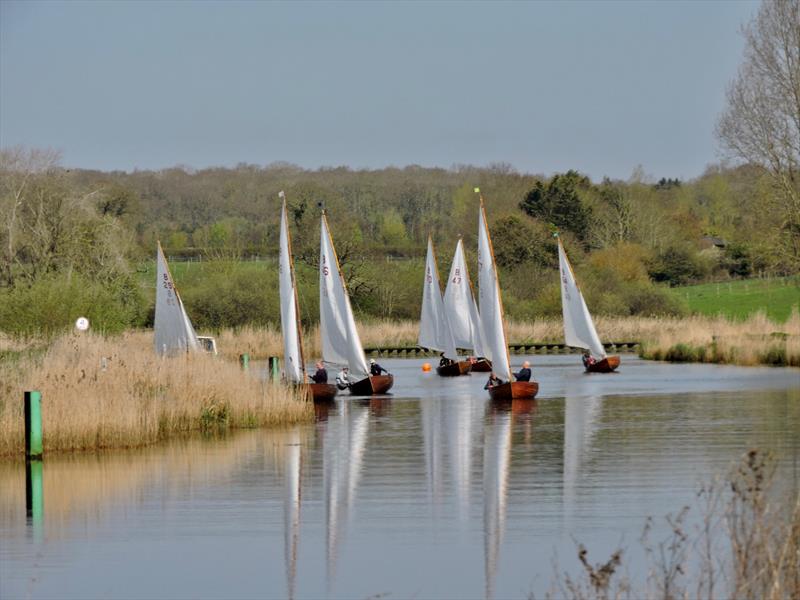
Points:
(596, 86)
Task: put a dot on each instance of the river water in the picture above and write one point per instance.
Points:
(433, 492)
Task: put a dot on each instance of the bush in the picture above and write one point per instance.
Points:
(52, 304)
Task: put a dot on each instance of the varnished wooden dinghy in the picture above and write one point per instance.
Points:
(607, 365)
(514, 390)
(454, 369)
(482, 365)
(321, 392)
(374, 384)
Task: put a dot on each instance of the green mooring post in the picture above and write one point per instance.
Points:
(274, 368)
(244, 360)
(33, 425)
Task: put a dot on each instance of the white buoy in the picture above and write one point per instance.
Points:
(82, 324)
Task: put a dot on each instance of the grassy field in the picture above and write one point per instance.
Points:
(740, 299)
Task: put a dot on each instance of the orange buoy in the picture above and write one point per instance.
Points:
(426, 367)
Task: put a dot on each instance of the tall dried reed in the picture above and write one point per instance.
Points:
(115, 392)
(747, 545)
(757, 340)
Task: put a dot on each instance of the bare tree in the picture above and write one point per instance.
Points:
(18, 166)
(761, 123)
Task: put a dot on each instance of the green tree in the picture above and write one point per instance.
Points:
(559, 202)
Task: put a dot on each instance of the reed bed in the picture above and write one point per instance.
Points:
(115, 392)
(757, 340)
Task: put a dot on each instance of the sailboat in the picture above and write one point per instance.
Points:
(295, 370)
(579, 331)
(434, 328)
(462, 312)
(341, 344)
(173, 330)
(491, 307)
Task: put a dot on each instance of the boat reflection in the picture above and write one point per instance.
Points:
(459, 417)
(344, 442)
(582, 408)
(497, 441)
(292, 477)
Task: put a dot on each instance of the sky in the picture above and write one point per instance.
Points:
(600, 87)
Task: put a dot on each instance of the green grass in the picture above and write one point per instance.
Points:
(190, 271)
(740, 299)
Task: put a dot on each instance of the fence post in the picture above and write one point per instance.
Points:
(274, 368)
(33, 425)
(244, 361)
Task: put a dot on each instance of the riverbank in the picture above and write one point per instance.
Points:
(114, 392)
(754, 341)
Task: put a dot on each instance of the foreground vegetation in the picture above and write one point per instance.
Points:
(747, 545)
(115, 393)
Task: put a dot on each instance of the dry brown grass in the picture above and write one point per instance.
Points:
(708, 339)
(747, 545)
(115, 392)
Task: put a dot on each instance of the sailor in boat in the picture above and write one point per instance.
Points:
(444, 361)
(321, 376)
(375, 368)
(588, 359)
(343, 379)
(494, 380)
(524, 373)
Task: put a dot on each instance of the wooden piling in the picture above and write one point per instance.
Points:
(33, 425)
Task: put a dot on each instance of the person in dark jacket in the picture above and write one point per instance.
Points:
(493, 381)
(375, 368)
(524, 373)
(588, 359)
(321, 376)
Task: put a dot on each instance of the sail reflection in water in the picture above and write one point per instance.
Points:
(344, 442)
(581, 412)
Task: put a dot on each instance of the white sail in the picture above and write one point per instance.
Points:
(491, 305)
(340, 342)
(292, 349)
(434, 329)
(173, 329)
(579, 330)
(459, 305)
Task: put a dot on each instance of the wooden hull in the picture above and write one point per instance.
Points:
(514, 390)
(374, 384)
(454, 369)
(607, 365)
(321, 392)
(483, 365)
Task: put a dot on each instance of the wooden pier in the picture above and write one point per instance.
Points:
(522, 348)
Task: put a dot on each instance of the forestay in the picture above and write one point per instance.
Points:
(292, 352)
(491, 305)
(459, 305)
(434, 330)
(340, 342)
(579, 330)
(172, 328)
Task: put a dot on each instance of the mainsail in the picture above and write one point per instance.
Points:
(459, 304)
(579, 330)
(434, 329)
(491, 305)
(290, 319)
(340, 342)
(173, 329)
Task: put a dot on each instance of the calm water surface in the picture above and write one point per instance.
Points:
(430, 493)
